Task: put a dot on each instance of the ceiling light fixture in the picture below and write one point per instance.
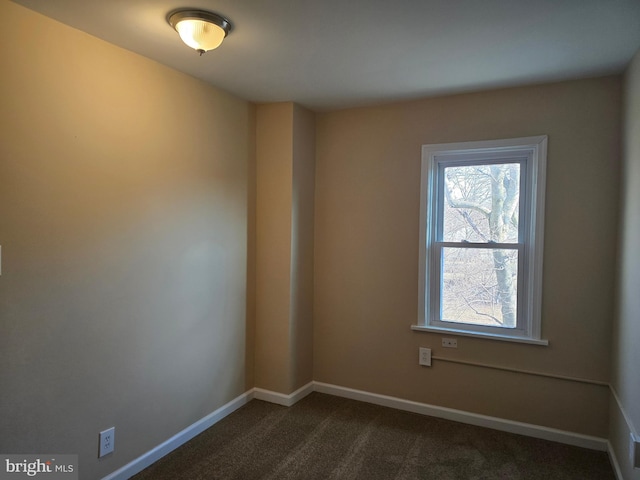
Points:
(199, 29)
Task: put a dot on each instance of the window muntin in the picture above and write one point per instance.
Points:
(481, 237)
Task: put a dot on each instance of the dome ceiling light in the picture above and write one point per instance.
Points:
(199, 29)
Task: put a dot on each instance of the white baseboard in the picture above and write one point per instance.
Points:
(629, 429)
(152, 456)
(614, 461)
(530, 430)
(281, 398)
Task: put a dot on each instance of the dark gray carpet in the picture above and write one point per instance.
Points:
(325, 437)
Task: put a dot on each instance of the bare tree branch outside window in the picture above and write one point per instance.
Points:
(481, 206)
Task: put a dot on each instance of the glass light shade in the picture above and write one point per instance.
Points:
(200, 34)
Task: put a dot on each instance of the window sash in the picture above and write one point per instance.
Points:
(436, 295)
(443, 162)
(438, 245)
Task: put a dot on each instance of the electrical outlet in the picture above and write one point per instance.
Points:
(425, 357)
(450, 343)
(107, 441)
(634, 450)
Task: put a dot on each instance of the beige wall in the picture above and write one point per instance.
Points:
(123, 199)
(303, 193)
(274, 170)
(366, 256)
(626, 354)
(284, 249)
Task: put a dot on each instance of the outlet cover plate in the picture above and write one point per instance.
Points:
(425, 357)
(107, 441)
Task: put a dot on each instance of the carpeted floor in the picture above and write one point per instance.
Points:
(325, 437)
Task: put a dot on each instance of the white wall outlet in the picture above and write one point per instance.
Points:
(425, 357)
(107, 441)
(450, 343)
(634, 450)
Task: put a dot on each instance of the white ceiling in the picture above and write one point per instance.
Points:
(328, 54)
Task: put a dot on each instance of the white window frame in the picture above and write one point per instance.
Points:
(531, 153)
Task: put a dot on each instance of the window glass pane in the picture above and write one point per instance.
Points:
(479, 286)
(481, 203)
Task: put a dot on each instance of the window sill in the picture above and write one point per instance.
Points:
(489, 336)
